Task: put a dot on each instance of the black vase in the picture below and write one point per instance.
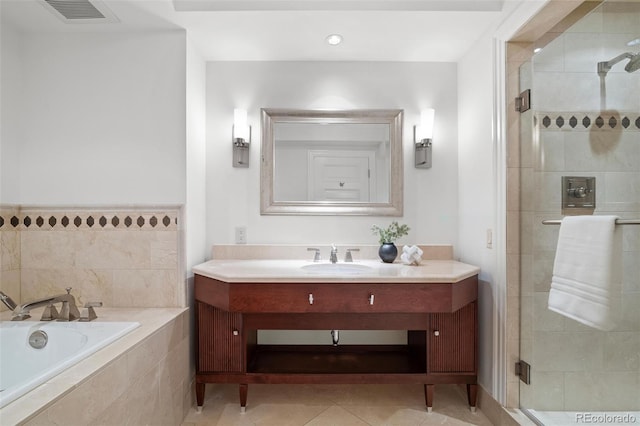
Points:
(388, 252)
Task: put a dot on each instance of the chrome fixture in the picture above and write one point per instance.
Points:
(88, 313)
(335, 337)
(578, 195)
(333, 257)
(618, 222)
(38, 339)
(241, 136)
(316, 256)
(632, 65)
(348, 257)
(8, 302)
(68, 312)
(422, 138)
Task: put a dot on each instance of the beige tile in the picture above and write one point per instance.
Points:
(335, 405)
(336, 416)
(87, 285)
(568, 351)
(9, 250)
(612, 391)
(47, 249)
(149, 288)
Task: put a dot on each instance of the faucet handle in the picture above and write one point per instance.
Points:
(88, 313)
(316, 256)
(348, 257)
(50, 313)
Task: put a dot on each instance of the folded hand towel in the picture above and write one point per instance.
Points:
(587, 272)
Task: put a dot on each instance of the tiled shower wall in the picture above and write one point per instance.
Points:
(123, 258)
(580, 125)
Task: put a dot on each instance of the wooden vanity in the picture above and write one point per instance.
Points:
(438, 311)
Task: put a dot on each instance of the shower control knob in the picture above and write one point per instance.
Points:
(579, 192)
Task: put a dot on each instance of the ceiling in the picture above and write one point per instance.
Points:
(292, 30)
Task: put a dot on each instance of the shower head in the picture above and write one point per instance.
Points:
(633, 65)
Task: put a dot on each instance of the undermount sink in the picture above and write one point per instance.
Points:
(336, 268)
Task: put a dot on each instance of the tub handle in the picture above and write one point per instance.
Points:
(50, 313)
(88, 313)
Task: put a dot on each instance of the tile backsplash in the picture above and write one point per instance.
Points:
(121, 257)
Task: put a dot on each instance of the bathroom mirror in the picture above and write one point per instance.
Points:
(346, 162)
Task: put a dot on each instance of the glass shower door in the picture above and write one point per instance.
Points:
(581, 124)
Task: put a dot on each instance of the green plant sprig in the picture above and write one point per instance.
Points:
(391, 233)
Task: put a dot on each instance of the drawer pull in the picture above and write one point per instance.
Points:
(311, 298)
(371, 297)
(436, 333)
(236, 333)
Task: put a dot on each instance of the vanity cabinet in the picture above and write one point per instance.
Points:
(440, 319)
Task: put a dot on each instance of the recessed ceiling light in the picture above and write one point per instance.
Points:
(537, 49)
(334, 39)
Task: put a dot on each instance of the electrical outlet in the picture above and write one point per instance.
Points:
(489, 238)
(241, 235)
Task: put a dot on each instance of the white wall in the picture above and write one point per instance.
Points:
(11, 88)
(104, 119)
(195, 214)
(477, 201)
(233, 195)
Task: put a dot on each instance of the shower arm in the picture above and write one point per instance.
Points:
(605, 67)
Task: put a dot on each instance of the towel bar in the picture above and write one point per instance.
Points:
(618, 222)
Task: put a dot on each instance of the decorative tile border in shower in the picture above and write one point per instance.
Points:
(83, 219)
(588, 121)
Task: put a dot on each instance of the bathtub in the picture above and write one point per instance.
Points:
(31, 352)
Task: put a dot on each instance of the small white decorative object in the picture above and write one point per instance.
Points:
(411, 255)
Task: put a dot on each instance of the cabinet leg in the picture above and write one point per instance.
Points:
(472, 396)
(428, 396)
(199, 396)
(244, 389)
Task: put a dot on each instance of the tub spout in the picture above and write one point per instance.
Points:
(69, 311)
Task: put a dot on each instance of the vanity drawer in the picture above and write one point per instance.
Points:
(340, 297)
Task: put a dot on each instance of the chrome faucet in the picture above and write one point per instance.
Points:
(334, 254)
(68, 312)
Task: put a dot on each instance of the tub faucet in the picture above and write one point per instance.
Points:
(8, 302)
(68, 312)
(334, 254)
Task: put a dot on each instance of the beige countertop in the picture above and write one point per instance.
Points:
(286, 270)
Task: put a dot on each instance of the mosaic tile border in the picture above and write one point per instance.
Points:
(588, 121)
(88, 220)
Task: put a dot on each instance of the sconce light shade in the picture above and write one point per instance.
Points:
(241, 136)
(422, 138)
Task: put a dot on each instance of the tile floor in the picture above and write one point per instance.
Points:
(334, 405)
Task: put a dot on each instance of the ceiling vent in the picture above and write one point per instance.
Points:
(80, 11)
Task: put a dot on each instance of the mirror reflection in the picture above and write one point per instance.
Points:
(331, 162)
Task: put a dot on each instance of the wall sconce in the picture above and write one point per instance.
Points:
(241, 136)
(422, 137)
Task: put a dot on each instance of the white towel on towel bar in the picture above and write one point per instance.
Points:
(587, 272)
